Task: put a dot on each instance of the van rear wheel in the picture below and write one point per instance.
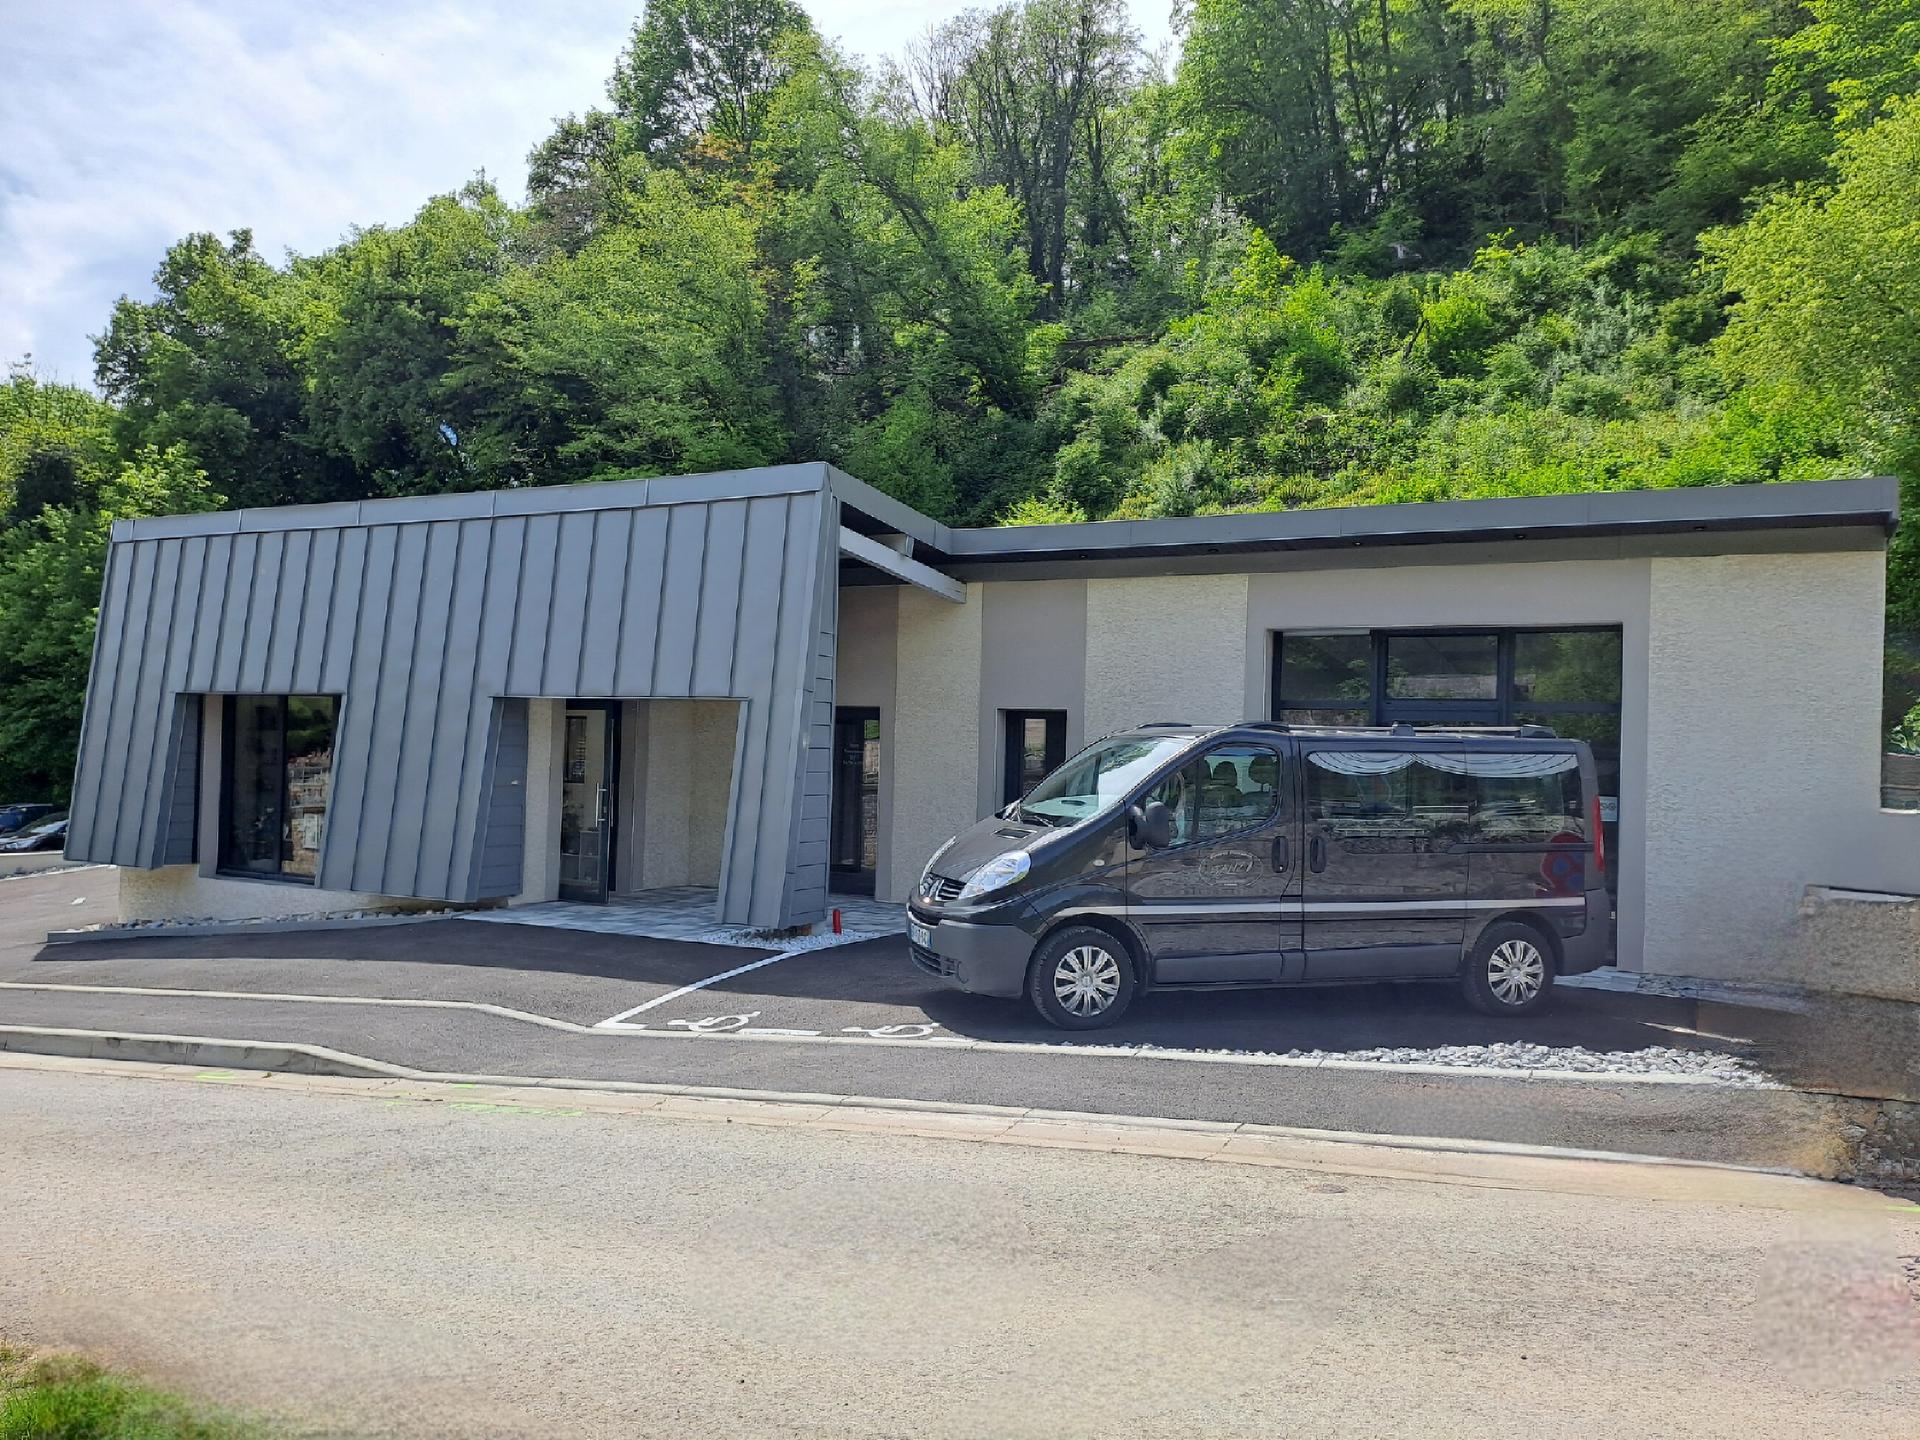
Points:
(1081, 979)
(1510, 971)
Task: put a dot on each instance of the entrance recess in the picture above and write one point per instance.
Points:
(586, 800)
(854, 852)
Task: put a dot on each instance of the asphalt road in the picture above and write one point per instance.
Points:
(389, 1267)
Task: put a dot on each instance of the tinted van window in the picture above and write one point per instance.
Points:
(1221, 792)
(1524, 799)
(1388, 802)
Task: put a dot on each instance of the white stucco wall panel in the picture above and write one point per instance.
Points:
(1165, 647)
(1763, 681)
(1033, 657)
(936, 731)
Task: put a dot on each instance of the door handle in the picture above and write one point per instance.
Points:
(1282, 854)
(600, 806)
(1317, 854)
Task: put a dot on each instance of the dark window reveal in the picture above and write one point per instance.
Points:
(278, 752)
(1036, 747)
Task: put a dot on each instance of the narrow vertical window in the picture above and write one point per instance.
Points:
(1036, 745)
(278, 752)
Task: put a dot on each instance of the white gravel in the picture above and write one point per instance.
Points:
(1654, 1060)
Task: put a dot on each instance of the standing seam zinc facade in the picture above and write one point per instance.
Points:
(630, 588)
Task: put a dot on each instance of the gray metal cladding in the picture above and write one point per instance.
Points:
(425, 628)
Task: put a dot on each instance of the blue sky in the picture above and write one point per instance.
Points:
(125, 124)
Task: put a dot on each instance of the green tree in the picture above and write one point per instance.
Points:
(50, 571)
(698, 70)
(211, 364)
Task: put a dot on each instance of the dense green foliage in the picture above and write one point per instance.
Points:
(1333, 252)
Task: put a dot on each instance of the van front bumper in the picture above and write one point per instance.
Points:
(980, 959)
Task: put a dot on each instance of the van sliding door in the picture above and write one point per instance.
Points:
(1386, 863)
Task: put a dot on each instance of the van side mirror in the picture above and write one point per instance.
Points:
(1150, 826)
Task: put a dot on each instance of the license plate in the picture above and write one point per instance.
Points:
(920, 934)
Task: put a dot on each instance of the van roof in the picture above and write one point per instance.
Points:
(1504, 735)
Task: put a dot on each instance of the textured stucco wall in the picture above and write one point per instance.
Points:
(1763, 755)
(689, 775)
(1033, 657)
(936, 731)
(1165, 647)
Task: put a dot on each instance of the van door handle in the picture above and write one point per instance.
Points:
(1317, 854)
(1282, 854)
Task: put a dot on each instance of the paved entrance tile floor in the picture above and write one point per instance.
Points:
(685, 912)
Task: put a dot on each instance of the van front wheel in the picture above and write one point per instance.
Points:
(1510, 971)
(1081, 979)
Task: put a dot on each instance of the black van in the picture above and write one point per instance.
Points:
(1182, 855)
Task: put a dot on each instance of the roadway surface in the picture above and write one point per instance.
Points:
(371, 1263)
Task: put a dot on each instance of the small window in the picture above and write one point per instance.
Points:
(1388, 802)
(278, 753)
(1036, 743)
(1222, 793)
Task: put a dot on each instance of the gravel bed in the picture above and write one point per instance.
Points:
(1654, 1060)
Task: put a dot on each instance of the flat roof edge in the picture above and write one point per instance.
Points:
(1816, 504)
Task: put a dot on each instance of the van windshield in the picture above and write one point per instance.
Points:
(1097, 779)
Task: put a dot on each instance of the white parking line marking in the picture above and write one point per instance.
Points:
(614, 1020)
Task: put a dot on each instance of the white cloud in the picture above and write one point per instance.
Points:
(125, 124)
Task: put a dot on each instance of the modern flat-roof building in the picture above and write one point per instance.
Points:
(781, 683)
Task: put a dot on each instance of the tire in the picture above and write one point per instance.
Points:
(1510, 971)
(1081, 978)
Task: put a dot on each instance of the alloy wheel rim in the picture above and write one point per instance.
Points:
(1086, 980)
(1515, 972)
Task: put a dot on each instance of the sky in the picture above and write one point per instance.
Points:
(125, 124)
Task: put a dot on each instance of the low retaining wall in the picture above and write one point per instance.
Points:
(1851, 942)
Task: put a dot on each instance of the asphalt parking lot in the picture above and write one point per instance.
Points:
(863, 990)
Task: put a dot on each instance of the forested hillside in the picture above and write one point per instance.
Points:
(1329, 252)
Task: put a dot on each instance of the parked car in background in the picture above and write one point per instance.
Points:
(18, 817)
(47, 835)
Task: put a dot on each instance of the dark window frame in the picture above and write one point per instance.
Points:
(1378, 705)
(223, 864)
(1013, 748)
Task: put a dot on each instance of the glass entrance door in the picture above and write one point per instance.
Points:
(855, 843)
(586, 802)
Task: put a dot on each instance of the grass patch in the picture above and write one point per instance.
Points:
(48, 1396)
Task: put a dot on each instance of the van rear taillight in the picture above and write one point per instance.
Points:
(1599, 839)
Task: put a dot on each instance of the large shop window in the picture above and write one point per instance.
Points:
(1566, 679)
(278, 776)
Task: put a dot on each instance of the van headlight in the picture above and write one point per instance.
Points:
(996, 874)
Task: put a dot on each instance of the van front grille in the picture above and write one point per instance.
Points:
(939, 889)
